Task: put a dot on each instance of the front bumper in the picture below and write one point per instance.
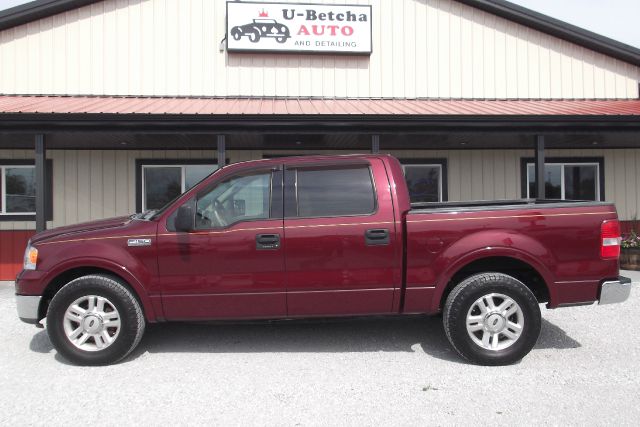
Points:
(28, 307)
(615, 291)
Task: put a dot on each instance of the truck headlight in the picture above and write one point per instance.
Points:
(30, 258)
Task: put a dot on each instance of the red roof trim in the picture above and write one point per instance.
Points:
(312, 107)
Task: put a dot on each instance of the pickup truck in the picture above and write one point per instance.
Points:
(321, 236)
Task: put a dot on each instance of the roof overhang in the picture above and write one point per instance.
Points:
(44, 123)
(31, 114)
(37, 9)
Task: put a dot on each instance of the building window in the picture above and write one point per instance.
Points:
(426, 179)
(159, 182)
(567, 179)
(18, 183)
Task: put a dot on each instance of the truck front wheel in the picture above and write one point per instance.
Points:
(95, 320)
(492, 319)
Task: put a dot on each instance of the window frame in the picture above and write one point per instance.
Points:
(25, 216)
(564, 161)
(441, 162)
(276, 201)
(290, 185)
(141, 164)
(274, 176)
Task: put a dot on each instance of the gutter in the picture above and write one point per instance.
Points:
(304, 124)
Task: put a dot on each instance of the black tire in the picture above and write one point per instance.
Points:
(462, 298)
(132, 322)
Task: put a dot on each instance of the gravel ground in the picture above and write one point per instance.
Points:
(584, 370)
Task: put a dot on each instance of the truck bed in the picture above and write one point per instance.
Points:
(560, 239)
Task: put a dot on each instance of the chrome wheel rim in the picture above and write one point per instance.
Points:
(495, 321)
(91, 323)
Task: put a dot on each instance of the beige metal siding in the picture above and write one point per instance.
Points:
(477, 174)
(422, 48)
(95, 184)
(496, 174)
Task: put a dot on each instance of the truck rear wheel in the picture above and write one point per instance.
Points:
(95, 320)
(492, 319)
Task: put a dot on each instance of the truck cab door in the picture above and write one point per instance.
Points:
(342, 252)
(231, 265)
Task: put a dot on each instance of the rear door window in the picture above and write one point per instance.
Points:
(333, 191)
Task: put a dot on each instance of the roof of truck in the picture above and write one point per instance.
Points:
(312, 159)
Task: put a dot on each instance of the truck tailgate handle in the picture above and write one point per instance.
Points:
(376, 236)
(267, 241)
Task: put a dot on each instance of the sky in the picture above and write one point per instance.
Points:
(617, 19)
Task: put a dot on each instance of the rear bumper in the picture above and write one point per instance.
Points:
(28, 306)
(615, 291)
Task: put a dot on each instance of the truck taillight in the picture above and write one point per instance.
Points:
(610, 239)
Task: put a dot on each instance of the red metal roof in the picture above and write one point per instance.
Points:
(308, 106)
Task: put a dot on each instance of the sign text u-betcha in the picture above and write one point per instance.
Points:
(313, 15)
(299, 28)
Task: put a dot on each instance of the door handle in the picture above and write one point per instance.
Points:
(267, 241)
(376, 236)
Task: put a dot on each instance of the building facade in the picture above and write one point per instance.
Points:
(116, 106)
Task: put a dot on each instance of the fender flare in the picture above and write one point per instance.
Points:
(117, 270)
(490, 252)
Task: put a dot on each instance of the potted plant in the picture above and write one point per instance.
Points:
(630, 254)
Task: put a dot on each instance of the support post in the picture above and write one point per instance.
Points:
(375, 144)
(222, 151)
(539, 167)
(41, 187)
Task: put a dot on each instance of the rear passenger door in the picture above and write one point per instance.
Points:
(340, 239)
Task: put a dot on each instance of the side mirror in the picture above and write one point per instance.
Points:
(184, 218)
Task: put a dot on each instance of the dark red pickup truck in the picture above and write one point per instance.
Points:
(321, 237)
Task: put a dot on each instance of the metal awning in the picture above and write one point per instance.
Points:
(311, 115)
(313, 106)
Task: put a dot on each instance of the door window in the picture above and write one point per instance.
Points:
(335, 191)
(241, 198)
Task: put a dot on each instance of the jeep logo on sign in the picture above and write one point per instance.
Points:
(289, 27)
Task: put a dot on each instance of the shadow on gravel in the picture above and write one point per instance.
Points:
(551, 336)
(410, 334)
(40, 342)
(414, 334)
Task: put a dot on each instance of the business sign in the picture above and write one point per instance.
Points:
(296, 27)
